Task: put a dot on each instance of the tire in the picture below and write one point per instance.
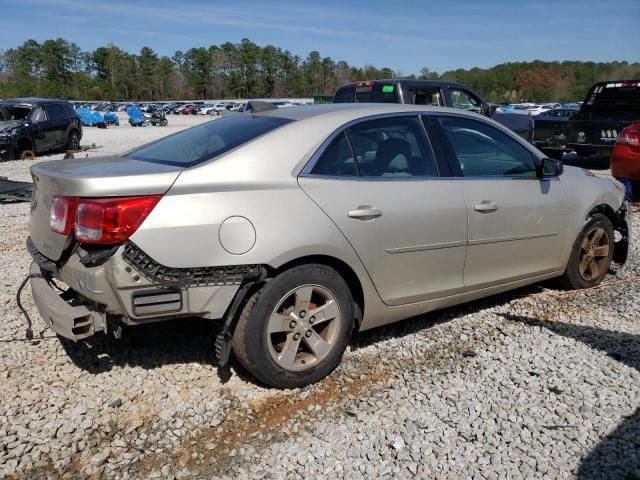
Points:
(73, 140)
(27, 154)
(275, 317)
(163, 122)
(589, 261)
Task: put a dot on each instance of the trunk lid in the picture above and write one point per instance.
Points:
(111, 176)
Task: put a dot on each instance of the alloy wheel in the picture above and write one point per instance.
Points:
(594, 254)
(74, 142)
(303, 327)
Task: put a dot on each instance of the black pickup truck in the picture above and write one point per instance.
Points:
(433, 93)
(608, 108)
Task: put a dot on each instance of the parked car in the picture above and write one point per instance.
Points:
(551, 127)
(520, 109)
(33, 126)
(608, 108)
(433, 93)
(187, 109)
(625, 159)
(222, 106)
(206, 109)
(384, 228)
(538, 109)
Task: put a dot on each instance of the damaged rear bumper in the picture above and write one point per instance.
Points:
(129, 287)
(64, 313)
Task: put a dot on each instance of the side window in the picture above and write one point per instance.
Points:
(465, 101)
(392, 147)
(38, 115)
(55, 112)
(337, 159)
(426, 96)
(483, 150)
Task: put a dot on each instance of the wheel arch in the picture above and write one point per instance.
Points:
(349, 275)
(619, 222)
(25, 143)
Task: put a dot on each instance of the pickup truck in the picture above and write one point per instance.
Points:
(432, 93)
(608, 108)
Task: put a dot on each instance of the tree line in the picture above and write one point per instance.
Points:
(59, 68)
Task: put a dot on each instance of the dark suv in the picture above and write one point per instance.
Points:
(32, 126)
(434, 93)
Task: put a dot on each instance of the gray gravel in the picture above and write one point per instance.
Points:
(536, 383)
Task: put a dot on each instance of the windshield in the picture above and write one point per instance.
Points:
(13, 112)
(204, 142)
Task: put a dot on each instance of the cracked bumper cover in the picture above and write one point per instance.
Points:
(65, 314)
(124, 289)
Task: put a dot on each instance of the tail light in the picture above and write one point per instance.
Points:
(105, 221)
(62, 214)
(631, 138)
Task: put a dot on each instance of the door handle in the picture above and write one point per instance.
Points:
(485, 207)
(364, 212)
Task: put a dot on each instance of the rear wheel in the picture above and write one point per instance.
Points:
(591, 254)
(73, 141)
(294, 331)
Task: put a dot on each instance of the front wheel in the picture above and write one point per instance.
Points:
(163, 122)
(591, 254)
(294, 330)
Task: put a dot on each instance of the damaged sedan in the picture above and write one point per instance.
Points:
(296, 227)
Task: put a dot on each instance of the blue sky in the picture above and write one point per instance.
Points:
(403, 35)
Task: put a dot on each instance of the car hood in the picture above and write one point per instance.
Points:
(7, 125)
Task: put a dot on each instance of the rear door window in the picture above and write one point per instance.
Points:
(55, 111)
(198, 144)
(392, 147)
(337, 159)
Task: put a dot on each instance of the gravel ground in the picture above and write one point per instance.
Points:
(536, 383)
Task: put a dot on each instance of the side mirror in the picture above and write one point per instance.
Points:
(550, 167)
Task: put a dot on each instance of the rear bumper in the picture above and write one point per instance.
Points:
(130, 288)
(65, 314)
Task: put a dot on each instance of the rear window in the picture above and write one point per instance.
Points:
(377, 93)
(614, 101)
(204, 142)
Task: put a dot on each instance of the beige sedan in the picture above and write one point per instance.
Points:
(295, 227)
